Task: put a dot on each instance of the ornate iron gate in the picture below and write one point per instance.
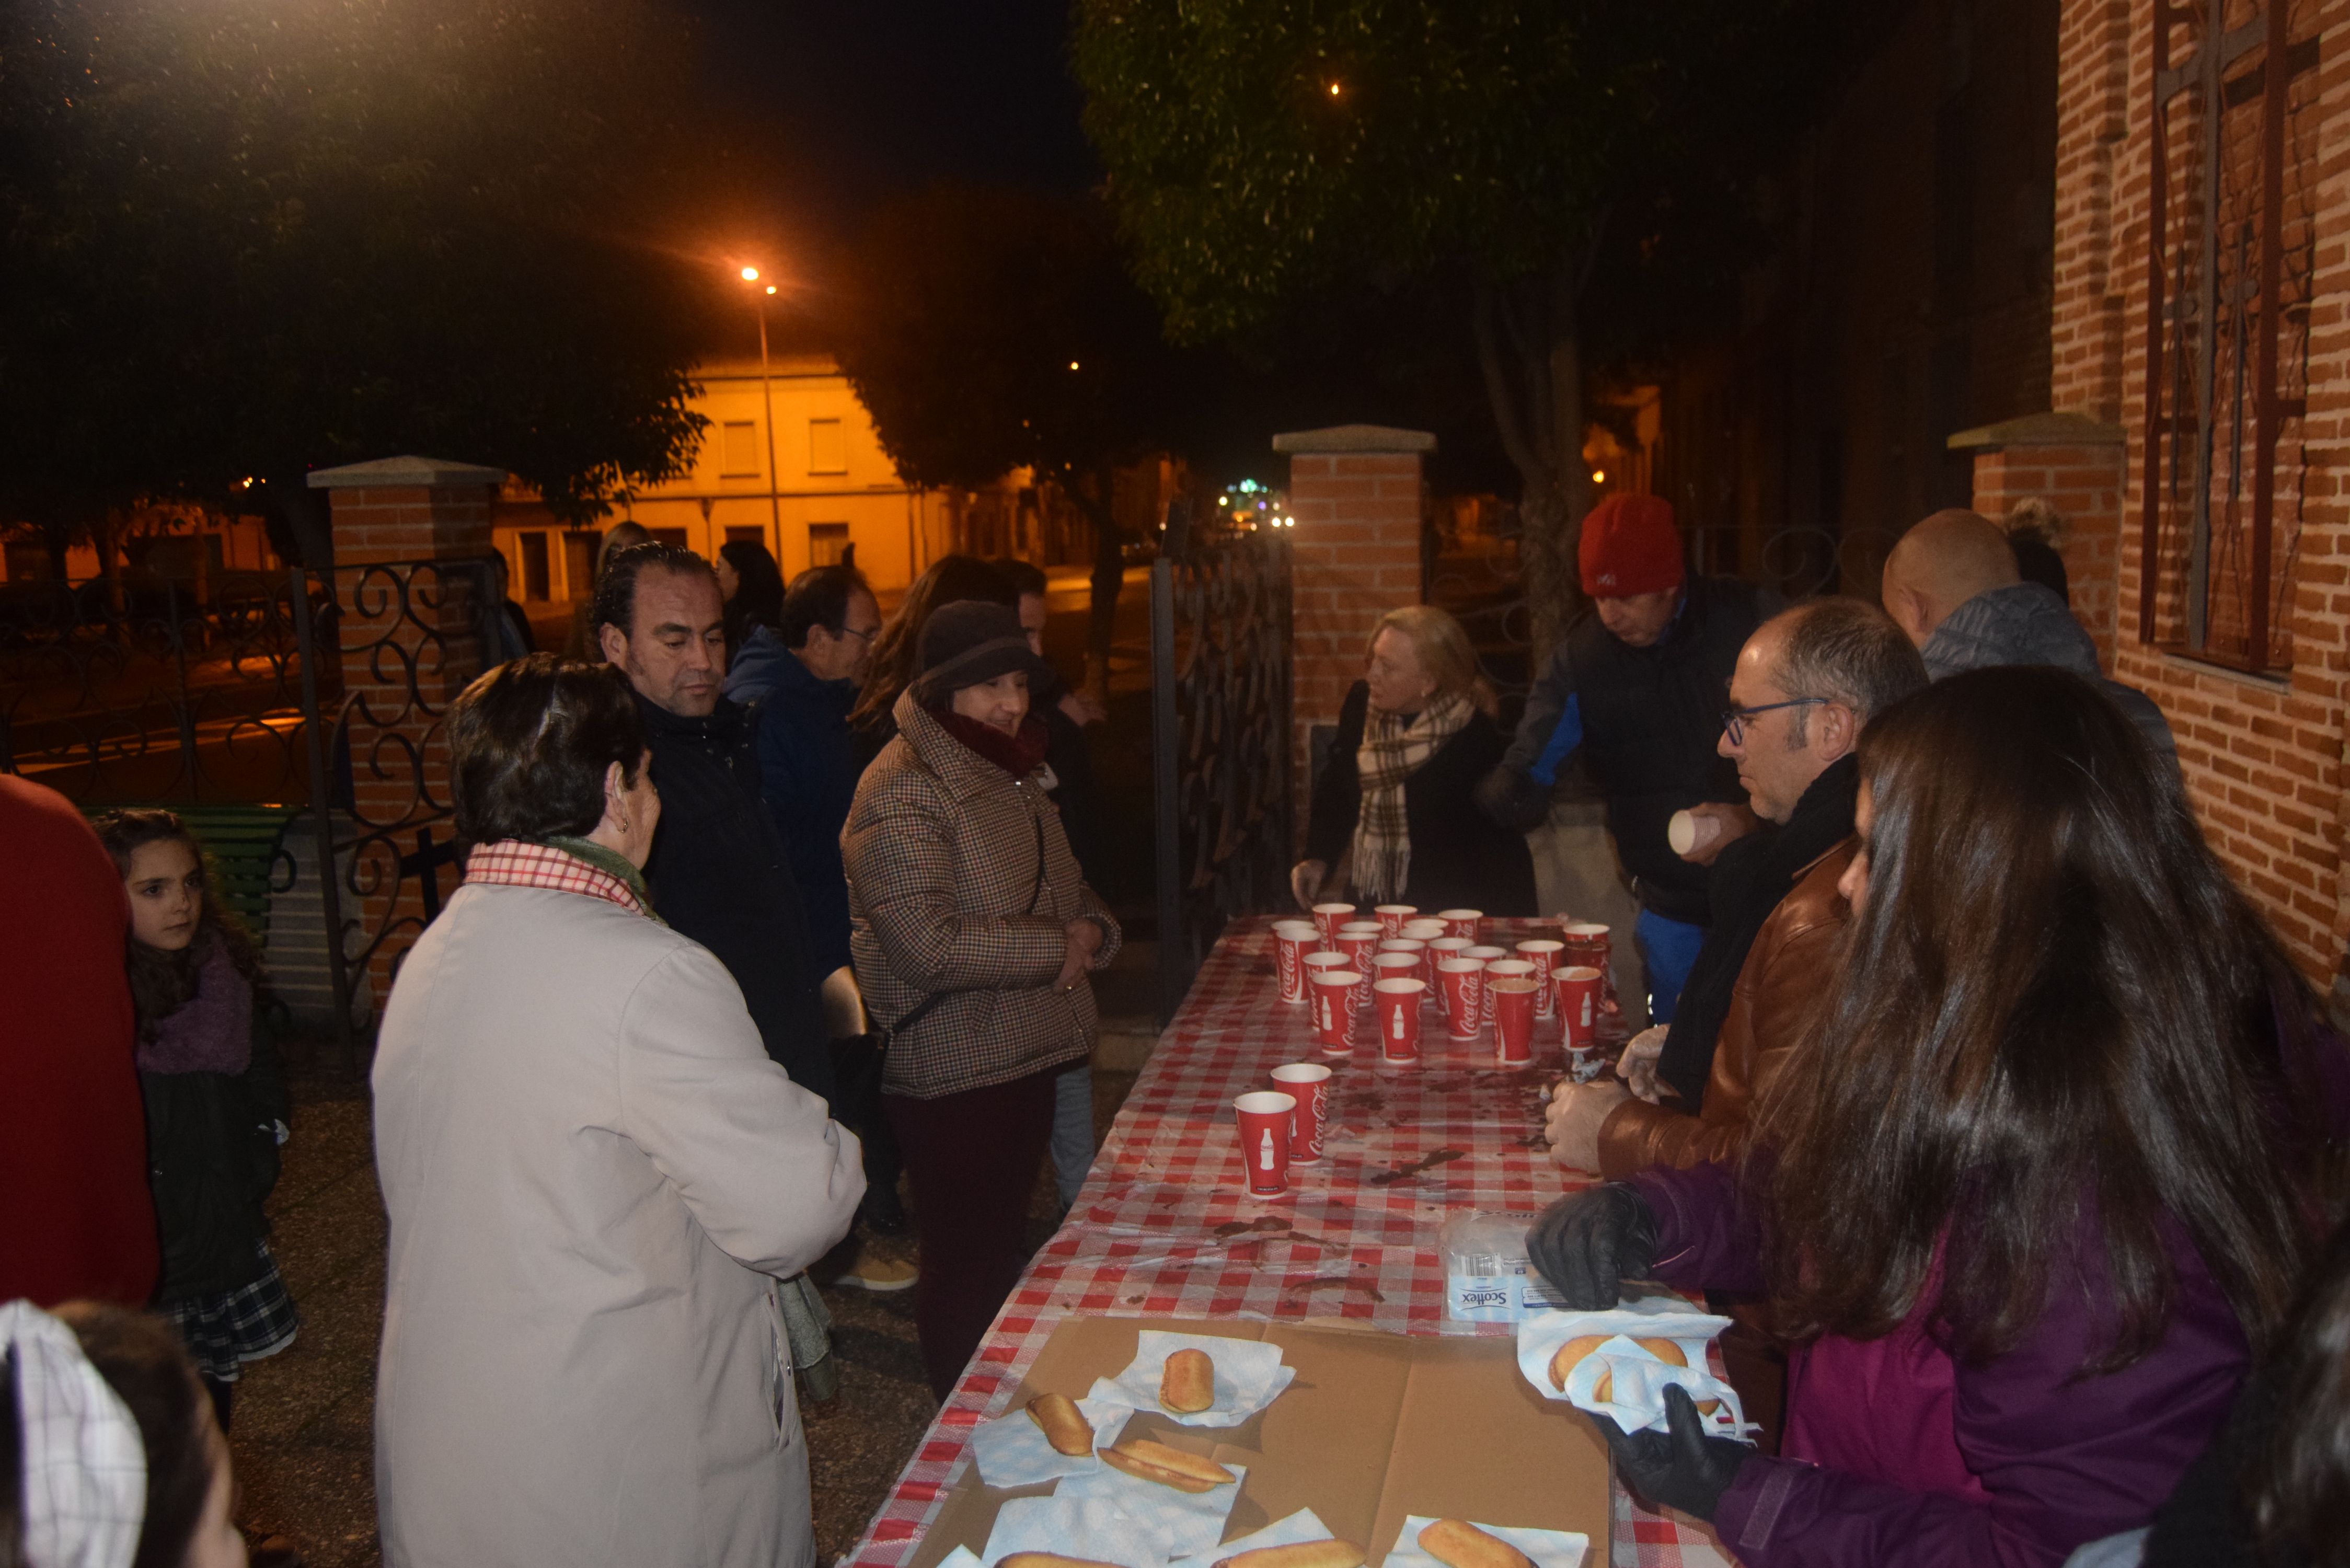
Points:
(1220, 740)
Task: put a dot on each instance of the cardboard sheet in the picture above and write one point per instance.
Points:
(1376, 1428)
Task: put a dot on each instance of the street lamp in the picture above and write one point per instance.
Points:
(767, 397)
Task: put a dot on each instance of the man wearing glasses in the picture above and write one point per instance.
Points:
(1634, 688)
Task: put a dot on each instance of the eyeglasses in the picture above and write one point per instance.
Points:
(1733, 719)
(849, 630)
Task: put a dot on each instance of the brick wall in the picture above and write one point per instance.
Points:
(2075, 464)
(1356, 493)
(2262, 758)
(409, 645)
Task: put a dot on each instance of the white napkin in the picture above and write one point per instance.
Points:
(1299, 1528)
(959, 1557)
(1249, 1376)
(1637, 1380)
(1013, 1451)
(1092, 1529)
(1179, 1523)
(1548, 1548)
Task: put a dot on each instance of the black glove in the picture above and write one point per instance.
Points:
(1588, 1245)
(1681, 1468)
(1513, 800)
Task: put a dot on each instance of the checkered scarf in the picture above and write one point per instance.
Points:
(1392, 748)
(568, 865)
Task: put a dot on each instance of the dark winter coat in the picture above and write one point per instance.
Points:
(1650, 720)
(807, 771)
(721, 874)
(2025, 623)
(212, 1157)
(1460, 859)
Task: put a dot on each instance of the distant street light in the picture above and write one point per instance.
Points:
(767, 397)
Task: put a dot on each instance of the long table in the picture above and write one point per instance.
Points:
(1165, 1226)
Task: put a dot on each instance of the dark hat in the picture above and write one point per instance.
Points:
(970, 641)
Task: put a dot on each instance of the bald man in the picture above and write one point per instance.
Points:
(1952, 586)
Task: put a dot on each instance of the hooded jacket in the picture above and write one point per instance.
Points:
(2026, 623)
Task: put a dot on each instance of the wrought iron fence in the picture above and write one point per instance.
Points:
(1220, 736)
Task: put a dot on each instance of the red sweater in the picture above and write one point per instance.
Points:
(74, 1206)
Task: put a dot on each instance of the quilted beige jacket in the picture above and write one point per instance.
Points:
(960, 882)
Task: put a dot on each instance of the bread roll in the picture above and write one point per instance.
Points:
(1188, 1385)
(1575, 1350)
(1048, 1560)
(1457, 1543)
(1063, 1424)
(1311, 1554)
(1168, 1467)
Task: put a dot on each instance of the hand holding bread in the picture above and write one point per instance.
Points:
(1564, 1363)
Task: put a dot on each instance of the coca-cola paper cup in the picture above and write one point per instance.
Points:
(1328, 918)
(1418, 951)
(1393, 916)
(1395, 1002)
(1542, 954)
(1586, 944)
(1578, 1003)
(1486, 951)
(1427, 929)
(1510, 966)
(1462, 922)
(1355, 943)
(1307, 1082)
(1689, 833)
(1291, 940)
(1393, 966)
(1334, 1009)
(1462, 982)
(1440, 949)
(1511, 999)
(1265, 1140)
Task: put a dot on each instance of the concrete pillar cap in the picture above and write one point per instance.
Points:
(2061, 429)
(1354, 438)
(408, 472)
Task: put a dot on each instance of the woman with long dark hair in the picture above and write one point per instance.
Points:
(2036, 1190)
(897, 652)
(752, 586)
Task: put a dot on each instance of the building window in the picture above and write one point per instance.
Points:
(739, 534)
(828, 543)
(827, 449)
(580, 562)
(537, 586)
(673, 537)
(738, 451)
(29, 563)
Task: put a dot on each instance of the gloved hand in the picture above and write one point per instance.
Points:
(1513, 799)
(1681, 1468)
(1588, 1245)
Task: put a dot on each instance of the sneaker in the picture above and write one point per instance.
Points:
(872, 1272)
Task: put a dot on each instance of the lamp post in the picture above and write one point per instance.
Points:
(767, 397)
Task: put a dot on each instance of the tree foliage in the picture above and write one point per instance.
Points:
(248, 237)
(1574, 171)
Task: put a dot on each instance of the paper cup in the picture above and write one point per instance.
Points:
(1418, 951)
(1334, 1010)
(1462, 922)
(1425, 929)
(1397, 1003)
(1394, 966)
(1688, 832)
(1463, 980)
(1486, 951)
(1578, 1003)
(1507, 968)
(1328, 918)
(1265, 1140)
(1513, 1001)
(1291, 940)
(1440, 949)
(1393, 916)
(1542, 954)
(1357, 945)
(1586, 944)
(1307, 1082)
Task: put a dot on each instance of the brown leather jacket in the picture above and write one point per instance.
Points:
(1770, 1005)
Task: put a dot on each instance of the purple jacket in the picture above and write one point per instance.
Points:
(1897, 1454)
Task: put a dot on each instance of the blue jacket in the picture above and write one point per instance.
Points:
(808, 773)
(757, 665)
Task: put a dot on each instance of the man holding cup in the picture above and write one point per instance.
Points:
(1805, 683)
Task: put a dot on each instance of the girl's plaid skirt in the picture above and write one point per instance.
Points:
(226, 1330)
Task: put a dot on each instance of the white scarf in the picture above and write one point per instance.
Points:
(85, 1464)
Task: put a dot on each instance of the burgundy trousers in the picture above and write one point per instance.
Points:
(972, 1159)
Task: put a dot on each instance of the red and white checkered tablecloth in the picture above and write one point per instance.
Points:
(1166, 1226)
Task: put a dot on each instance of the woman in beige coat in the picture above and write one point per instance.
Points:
(972, 932)
(595, 1177)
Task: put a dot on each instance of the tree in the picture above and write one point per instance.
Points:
(997, 329)
(251, 237)
(1569, 175)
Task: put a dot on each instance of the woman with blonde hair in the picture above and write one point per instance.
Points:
(1393, 817)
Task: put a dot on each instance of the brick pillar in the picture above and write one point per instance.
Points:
(2075, 464)
(1356, 493)
(410, 642)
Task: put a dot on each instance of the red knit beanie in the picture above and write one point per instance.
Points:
(1629, 547)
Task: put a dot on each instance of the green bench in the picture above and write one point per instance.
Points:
(242, 841)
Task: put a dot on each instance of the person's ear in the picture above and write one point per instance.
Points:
(1838, 731)
(614, 642)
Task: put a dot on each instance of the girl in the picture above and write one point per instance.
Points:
(216, 1107)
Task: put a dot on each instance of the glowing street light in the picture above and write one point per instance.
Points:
(767, 397)
(751, 275)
